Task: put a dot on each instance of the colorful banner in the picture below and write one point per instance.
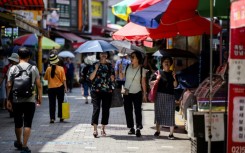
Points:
(236, 106)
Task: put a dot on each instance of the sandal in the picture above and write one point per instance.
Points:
(103, 133)
(95, 134)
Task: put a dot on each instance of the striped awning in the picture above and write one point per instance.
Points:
(22, 4)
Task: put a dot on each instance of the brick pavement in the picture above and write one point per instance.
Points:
(75, 134)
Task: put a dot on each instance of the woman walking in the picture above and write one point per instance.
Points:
(134, 75)
(56, 87)
(165, 100)
(102, 78)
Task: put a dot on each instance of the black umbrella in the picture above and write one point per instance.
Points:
(174, 52)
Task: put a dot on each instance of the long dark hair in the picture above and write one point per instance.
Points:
(53, 67)
(138, 56)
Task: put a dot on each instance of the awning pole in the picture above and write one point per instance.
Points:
(211, 75)
(39, 50)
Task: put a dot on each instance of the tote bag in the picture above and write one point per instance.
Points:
(65, 108)
(153, 92)
(116, 100)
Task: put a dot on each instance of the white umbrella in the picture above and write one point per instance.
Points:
(126, 47)
(66, 54)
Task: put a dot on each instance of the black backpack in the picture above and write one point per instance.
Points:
(22, 83)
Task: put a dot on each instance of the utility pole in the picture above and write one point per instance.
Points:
(39, 49)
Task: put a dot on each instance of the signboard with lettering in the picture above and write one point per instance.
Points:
(97, 9)
(236, 105)
(217, 126)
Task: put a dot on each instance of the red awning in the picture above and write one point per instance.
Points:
(22, 4)
(71, 37)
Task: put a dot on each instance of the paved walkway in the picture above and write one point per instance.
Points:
(75, 134)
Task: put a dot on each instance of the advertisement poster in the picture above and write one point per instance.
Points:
(236, 106)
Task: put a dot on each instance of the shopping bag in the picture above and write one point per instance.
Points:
(65, 109)
(116, 100)
(153, 92)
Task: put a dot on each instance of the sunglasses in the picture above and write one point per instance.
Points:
(133, 57)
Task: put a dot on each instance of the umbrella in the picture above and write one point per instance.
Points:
(142, 4)
(66, 54)
(95, 46)
(166, 11)
(131, 32)
(114, 26)
(174, 52)
(220, 8)
(31, 40)
(194, 26)
(122, 9)
(126, 47)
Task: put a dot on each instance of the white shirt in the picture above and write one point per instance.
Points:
(134, 85)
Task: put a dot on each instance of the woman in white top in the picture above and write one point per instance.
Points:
(135, 82)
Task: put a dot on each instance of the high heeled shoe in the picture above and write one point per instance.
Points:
(103, 133)
(95, 134)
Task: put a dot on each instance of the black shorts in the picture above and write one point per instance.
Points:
(23, 114)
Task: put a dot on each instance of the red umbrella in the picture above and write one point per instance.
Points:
(193, 26)
(131, 32)
(141, 4)
(190, 27)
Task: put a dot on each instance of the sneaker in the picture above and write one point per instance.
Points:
(138, 134)
(61, 120)
(51, 121)
(171, 137)
(157, 134)
(25, 150)
(17, 145)
(131, 131)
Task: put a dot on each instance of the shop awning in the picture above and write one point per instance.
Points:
(75, 40)
(13, 21)
(71, 37)
(22, 4)
(93, 37)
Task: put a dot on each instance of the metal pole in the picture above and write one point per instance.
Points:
(211, 77)
(39, 50)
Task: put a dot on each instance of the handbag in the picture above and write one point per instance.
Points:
(65, 108)
(124, 90)
(153, 92)
(116, 100)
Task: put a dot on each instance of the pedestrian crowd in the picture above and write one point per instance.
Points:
(98, 80)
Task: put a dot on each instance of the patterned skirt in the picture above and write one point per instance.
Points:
(165, 109)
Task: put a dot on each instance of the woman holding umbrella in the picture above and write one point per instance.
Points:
(102, 78)
(165, 100)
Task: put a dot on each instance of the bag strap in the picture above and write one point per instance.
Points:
(133, 78)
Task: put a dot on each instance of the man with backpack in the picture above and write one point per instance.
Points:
(20, 88)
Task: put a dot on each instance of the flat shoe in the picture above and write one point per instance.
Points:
(95, 134)
(138, 134)
(17, 145)
(157, 134)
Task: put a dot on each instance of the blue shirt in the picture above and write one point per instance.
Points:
(124, 63)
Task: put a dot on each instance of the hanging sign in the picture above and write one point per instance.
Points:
(236, 88)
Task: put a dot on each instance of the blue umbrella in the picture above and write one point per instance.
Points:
(150, 17)
(95, 46)
(166, 12)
